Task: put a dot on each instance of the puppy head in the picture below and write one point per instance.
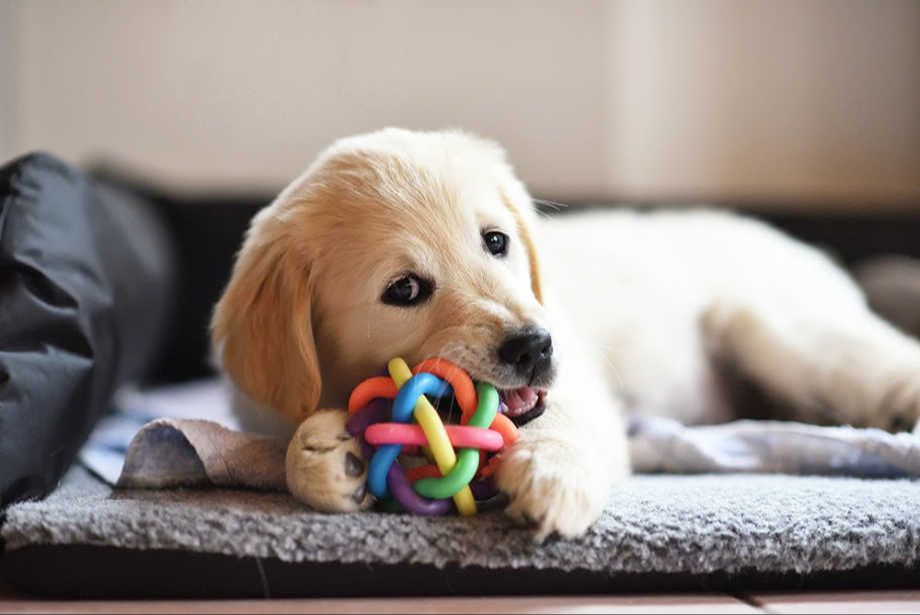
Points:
(392, 244)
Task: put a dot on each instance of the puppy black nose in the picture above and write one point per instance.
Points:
(528, 352)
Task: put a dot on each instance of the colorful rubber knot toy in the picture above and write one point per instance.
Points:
(392, 417)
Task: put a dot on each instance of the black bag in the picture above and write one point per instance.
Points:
(86, 284)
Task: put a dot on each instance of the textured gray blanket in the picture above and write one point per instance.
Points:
(701, 523)
(667, 524)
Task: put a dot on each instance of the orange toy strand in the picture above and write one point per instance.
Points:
(503, 425)
(490, 467)
(459, 380)
(369, 390)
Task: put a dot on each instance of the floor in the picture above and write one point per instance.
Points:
(836, 602)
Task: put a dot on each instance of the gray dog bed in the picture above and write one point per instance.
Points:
(731, 523)
(657, 532)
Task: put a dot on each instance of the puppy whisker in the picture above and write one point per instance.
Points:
(614, 368)
(554, 205)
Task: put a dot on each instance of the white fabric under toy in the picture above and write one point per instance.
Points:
(185, 436)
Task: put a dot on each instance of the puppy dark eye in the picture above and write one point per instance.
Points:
(407, 290)
(496, 243)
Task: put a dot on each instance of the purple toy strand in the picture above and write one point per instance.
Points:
(484, 489)
(404, 493)
(377, 411)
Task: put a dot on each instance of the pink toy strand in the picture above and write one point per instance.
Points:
(460, 436)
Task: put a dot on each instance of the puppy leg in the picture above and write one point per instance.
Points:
(560, 473)
(844, 366)
(324, 466)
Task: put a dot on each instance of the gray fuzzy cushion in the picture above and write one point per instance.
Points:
(661, 524)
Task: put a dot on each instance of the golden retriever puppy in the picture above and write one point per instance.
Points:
(419, 245)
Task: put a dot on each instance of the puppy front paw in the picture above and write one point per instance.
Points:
(554, 488)
(324, 467)
(899, 408)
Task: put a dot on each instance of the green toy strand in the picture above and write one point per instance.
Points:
(467, 458)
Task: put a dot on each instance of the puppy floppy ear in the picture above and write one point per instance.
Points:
(262, 325)
(525, 219)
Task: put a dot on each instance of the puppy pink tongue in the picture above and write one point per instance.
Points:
(520, 400)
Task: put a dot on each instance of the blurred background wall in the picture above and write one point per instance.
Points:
(792, 103)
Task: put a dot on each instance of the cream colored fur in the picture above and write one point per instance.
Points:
(640, 306)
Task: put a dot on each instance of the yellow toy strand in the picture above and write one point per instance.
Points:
(438, 440)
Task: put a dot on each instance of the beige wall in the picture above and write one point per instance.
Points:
(236, 93)
(785, 99)
(816, 100)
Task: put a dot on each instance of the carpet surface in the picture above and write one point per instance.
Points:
(656, 523)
